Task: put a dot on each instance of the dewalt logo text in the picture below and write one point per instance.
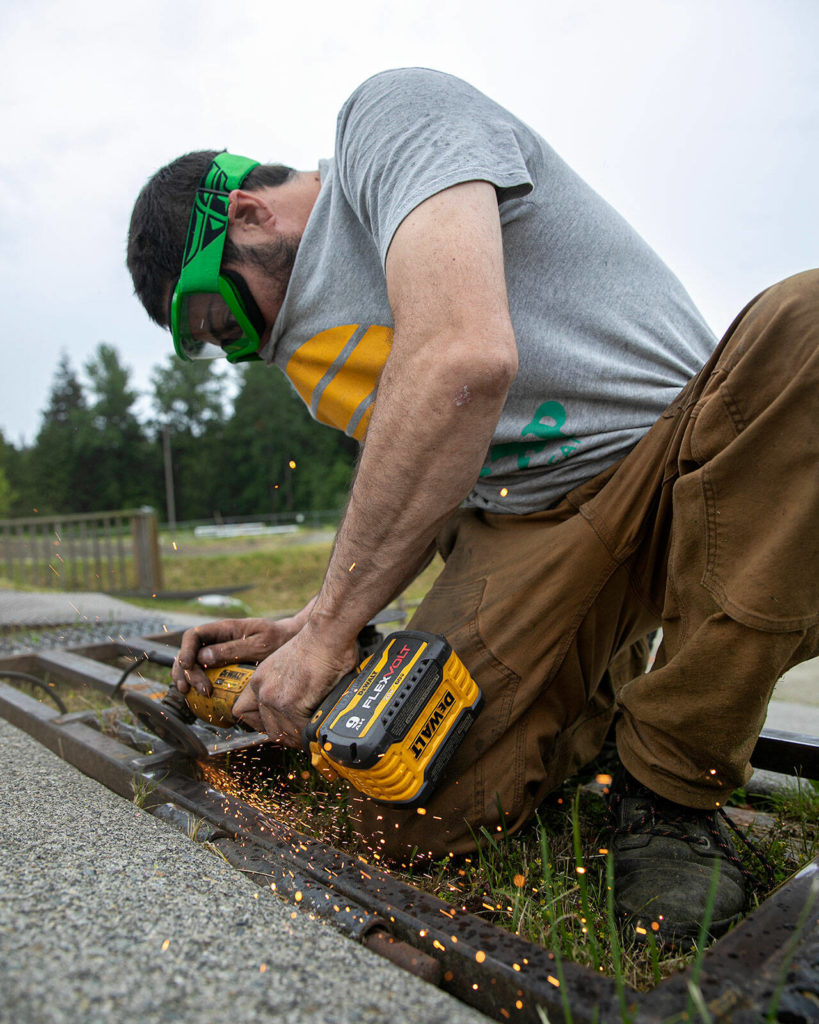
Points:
(430, 727)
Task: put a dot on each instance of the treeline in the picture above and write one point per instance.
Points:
(255, 454)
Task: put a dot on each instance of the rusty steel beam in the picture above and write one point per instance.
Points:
(483, 965)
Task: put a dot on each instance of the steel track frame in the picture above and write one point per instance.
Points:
(773, 953)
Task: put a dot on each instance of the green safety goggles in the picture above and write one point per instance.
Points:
(212, 312)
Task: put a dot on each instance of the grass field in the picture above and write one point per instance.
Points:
(281, 572)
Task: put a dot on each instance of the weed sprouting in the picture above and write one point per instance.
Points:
(142, 788)
(195, 826)
(799, 806)
(789, 835)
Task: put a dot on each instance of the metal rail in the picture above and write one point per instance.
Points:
(499, 973)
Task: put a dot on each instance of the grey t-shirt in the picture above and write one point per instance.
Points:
(606, 334)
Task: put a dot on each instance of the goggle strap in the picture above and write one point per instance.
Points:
(209, 218)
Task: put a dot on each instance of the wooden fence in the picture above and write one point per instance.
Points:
(107, 551)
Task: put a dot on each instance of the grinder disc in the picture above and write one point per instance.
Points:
(166, 723)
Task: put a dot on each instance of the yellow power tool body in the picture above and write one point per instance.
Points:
(227, 683)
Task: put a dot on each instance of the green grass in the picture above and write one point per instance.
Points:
(793, 838)
(281, 572)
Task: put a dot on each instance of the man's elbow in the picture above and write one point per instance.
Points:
(507, 362)
(488, 364)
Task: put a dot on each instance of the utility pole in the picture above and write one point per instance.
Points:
(170, 501)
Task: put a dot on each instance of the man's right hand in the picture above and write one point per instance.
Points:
(229, 640)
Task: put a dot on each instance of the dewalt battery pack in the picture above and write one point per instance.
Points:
(393, 727)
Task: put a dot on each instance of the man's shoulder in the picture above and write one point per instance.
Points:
(396, 82)
(391, 77)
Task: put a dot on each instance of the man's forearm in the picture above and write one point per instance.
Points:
(405, 490)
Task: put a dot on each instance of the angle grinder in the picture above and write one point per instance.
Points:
(389, 728)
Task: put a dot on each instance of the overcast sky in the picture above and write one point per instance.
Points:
(697, 119)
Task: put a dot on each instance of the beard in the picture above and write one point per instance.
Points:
(276, 258)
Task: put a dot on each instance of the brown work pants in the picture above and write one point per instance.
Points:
(707, 528)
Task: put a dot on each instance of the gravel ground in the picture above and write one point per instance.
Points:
(32, 620)
(107, 914)
(19, 639)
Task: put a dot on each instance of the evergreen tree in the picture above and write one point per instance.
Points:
(63, 447)
(113, 398)
(66, 398)
(121, 458)
(188, 396)
(10, 465)
(190, 402)
(19, 469)
(270, 429)
(7, 495)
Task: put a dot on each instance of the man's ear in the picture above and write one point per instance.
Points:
(249, 213)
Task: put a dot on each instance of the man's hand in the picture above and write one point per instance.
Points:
(289, 685)
(226, 641)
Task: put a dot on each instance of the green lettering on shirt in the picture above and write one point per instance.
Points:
(546, 425)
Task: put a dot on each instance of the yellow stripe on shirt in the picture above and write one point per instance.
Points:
(354, 380)
(309, 362)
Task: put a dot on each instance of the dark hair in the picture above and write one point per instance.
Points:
(159, 225)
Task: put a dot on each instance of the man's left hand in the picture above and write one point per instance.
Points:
(289, 685)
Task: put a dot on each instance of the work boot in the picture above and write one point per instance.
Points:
(664, 857)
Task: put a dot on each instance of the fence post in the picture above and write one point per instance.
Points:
(146, 551)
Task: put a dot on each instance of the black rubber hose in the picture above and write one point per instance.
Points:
(153, 656)
(5, 674)
(127, 672)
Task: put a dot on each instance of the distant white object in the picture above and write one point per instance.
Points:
(223, 601)
(242, 530)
